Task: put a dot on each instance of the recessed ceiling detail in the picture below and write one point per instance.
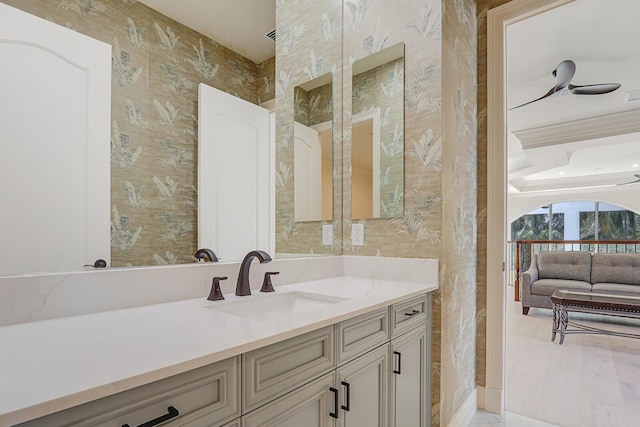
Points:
(595, 140)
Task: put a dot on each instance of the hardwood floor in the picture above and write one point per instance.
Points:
(589, 381)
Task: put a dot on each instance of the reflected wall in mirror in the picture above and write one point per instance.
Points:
(312, 150)
(377, 156)
(156, 64)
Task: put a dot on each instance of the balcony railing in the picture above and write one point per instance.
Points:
(520, 253)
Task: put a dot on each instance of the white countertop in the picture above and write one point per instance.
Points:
(51, 365)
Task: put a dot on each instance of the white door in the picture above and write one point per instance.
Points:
(234, 214)
(55, 113)
(307, 172)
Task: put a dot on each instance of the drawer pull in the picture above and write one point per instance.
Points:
(396, 353)
(335, 402)
(173, 412)
(348, 393)
(412, 313)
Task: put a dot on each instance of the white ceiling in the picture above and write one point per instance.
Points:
(602, 38)
(239, 25)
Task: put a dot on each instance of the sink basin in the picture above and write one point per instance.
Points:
(275, 306)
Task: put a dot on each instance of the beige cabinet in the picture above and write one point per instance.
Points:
(372, 370)
(207, 396)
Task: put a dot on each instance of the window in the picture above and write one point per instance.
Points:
(577, 220)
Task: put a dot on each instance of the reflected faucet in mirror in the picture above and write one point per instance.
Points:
(206, 255)
(243, 288)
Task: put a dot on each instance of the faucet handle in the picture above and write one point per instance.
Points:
(216, 293)
(267, 286)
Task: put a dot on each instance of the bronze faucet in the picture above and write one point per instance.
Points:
(243, 288)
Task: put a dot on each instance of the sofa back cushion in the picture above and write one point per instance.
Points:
(616, 268)
(565, 265)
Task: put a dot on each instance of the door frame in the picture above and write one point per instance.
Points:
(497, 21)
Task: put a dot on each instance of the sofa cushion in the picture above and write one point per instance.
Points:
(565, 265)
(545, 287)
(616, 268)
(605, 288)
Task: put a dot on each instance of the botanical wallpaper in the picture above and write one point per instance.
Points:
(382, 88)
(459, 210)
(313, 106)
(309, 46)
(440, 161)
(157, 65)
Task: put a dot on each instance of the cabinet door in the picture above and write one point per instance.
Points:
(308, 406)
(363, 390)
(272, 371)
(409, 391)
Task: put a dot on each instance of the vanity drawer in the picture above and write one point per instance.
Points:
(363, 333)
(205, 396)
(272, 371)
(408, 314)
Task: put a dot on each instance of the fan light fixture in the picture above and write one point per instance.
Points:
(563, 74)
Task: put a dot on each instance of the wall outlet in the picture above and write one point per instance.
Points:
(357, 234)
(327, 235)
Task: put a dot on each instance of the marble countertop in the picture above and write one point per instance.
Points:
(51, 365)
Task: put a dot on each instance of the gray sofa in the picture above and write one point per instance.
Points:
(579, 272)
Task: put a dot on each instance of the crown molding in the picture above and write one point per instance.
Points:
(579, 130)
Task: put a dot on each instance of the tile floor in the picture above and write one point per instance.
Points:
(589, 381)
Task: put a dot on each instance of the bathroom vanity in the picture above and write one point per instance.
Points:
(337, 351)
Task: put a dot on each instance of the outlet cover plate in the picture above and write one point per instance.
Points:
(357, 234)
(327, 234)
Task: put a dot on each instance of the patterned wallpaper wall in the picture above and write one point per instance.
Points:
(382, 88)
(440, 163)
(309, 45)
(157, 64)
(313, 106)
(459, 211)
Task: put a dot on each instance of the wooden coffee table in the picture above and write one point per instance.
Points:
(618, 304)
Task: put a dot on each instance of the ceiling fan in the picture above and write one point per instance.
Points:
(563, 74)
(637, 180)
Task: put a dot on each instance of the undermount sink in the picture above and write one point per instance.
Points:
(269, 307)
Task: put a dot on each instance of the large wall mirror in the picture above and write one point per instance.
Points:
(377, 152)
(156, 66)
(313, 150)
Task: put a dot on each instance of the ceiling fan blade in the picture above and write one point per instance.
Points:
(546, 95)
(564, 73)
(597, 89)
(632, 182)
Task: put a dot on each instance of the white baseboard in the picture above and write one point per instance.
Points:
(465, 413)
(491, 400)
